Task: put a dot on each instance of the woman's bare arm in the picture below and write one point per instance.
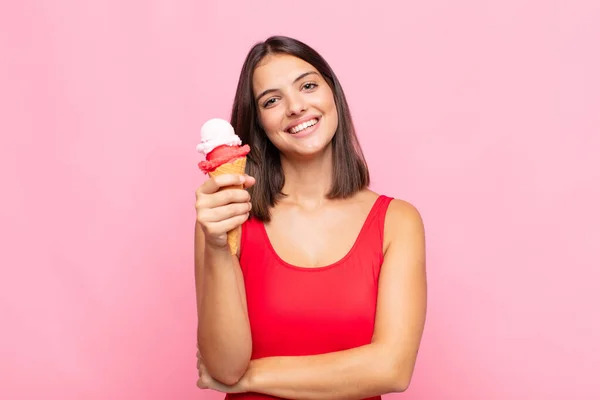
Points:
(224, 338)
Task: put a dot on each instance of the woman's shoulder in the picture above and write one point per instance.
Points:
(398, 208)
(402, 218)
(403, 210)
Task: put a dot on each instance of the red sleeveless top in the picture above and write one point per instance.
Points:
(297, 311)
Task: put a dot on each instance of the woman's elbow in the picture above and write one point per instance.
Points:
(228, 374)
(226, 368)
(399, 382)
(400, 377)
(229, 378)
(400, 385)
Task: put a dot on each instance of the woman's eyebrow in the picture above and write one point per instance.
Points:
(295, 80)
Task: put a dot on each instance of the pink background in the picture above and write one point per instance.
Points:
(484, 114)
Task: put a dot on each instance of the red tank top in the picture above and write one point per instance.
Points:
(297, 311)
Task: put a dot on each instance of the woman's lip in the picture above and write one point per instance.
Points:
(306, 131)
(301, 121)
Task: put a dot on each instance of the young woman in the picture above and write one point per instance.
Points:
(326, 298)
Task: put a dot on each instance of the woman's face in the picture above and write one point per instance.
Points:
(296, 106)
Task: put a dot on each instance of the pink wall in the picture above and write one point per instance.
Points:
(489, 110)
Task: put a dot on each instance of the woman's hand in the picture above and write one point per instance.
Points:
(205, 381)
(222, 206)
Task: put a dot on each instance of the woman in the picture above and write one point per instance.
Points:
(326, 298)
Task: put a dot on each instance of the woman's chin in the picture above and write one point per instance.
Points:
(308, 150)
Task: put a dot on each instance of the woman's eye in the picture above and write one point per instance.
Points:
(269, 102)
(309, 86)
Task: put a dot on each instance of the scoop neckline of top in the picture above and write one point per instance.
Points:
(335, 263)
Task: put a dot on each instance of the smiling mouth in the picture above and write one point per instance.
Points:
(305, 125)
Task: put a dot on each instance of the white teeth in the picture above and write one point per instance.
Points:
(303, 126)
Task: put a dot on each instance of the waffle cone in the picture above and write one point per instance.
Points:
(237, 166)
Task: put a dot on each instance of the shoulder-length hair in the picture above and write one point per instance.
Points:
(350, 171)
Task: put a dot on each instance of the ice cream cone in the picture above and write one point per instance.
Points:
(237, 166)
(224, 154)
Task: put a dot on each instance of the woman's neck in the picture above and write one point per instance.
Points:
(308, 181)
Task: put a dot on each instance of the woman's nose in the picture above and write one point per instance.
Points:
(296, 104)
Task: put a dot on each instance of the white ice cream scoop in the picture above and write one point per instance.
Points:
(216, 132)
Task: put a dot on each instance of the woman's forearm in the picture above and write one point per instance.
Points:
(357, 373)
(224, 338)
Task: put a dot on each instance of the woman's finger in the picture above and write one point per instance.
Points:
(222, 198)
(250, 181)
(201, 384)
(223, 213)
(214, 228)
(214, 184)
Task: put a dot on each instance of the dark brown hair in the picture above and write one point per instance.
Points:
(350, 172)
